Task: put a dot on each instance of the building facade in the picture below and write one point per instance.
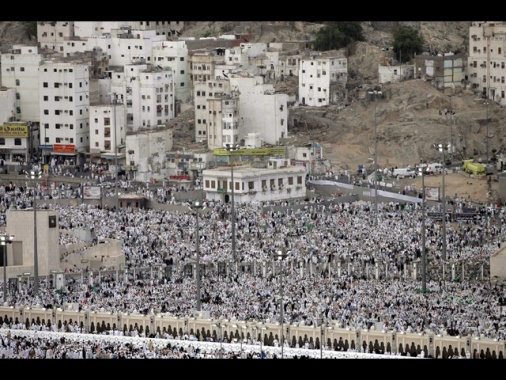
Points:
(486, 69)
(279, 181)
(64, 98)
(316, 74)
(20, 70)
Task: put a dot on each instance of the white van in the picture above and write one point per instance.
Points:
(404, 172)
(429, 169)
(434, 168)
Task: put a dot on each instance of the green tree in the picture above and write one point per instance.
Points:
(337, 35)
(30, 29)
(407, 43)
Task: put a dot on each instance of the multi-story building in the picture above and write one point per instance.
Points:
(205, 93)
(98, 28)
(147, 92)
(446, 72)
(107, 129)
(7, 104)
(64, 98)
(20, 71)
(202, 64)
(122, 46)
(317, 73)
(52, 34)
(146, 149)
(262, 110)
(486, 69)
(174, 55)
(223, 122)
(278, 181)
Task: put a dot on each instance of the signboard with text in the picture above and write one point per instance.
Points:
(14, 130)
(64, 148)
(91, 192)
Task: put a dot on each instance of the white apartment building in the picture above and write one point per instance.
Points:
(87, 29)
(262, 110)
(204, 93)
(64, 98)
(223, 122)
(316, 75)
(174, 55)
(147, 92)
(7, 104)
(20, 71)
(202, 64)
(122, 46)
(487, 62)
(146, 150)
(279, 181)
(107, 129)
(52, 34)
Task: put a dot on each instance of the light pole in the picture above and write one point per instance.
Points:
(424, 257)
(486, 103)
(197, 206)
(115, 156)
(442, 148)
(35, 175)
(4, 240)
(232, 148)
(280, 257)
(375, 94)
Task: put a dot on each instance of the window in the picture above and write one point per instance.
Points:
(299, 180)
(17, 82)
(2, 141)
(44, 84)
(46, 98)
(290, 180)
(46, 112)
(17, 141)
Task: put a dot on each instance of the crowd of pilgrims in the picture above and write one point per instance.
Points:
(341, 246)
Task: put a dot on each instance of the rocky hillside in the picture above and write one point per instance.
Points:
(408, 120)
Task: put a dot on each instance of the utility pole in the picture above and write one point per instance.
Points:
(375, 95)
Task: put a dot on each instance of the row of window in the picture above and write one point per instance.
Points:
(212, 184)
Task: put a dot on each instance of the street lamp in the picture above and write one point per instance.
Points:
(4, 240)
(280, 257)
(35, 175)
(486, 103)
(442, 148)
(232, 148)
(375, 94)
(115, 156)
(197, 206)
(424, 257)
